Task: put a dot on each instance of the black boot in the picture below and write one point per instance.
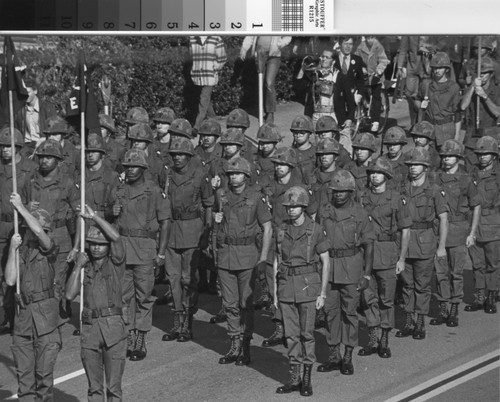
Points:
(277, 338)
(140, 351)
(408, 328)
(347, 366)
(442, 317)
(334, 360)
(320, 320)
(371, 348)
(383, 348)
(293, 383)
(453, 317)
(221, 316)
(490, 303)
(186, 332)
(478, 303)
(233, 353)
(244, 357)
(307, 389)
(263, 302)
(176, 329)
(419, 331)
(131, 341)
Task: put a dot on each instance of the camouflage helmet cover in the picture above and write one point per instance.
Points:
(233, 136)
(5, 137)
(269, 132)
(238, 118)
(395, 135)
(95, 235)
(342, 180)
(381, 165)
(440, 60)
(302, 123)
(364, 141)
(424, 129)
(296, 196)
(326, 123)
(56, 125)
(181, 146)
(210, 127)
(418, 156)
(95, 143)
(239, 165)
(141, 132)
(50, 148)
(486, 145)
(327, 146)
(135, 157)
(181, 128)
(452, 148)
(164, 115)
(137, 115)
(285, 156)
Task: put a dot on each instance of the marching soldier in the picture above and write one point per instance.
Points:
(190, 199)
(423, 137)
(395, 139)
(463, 199)
(238, 118)
(139, 211)
(209, 149)
(363, 147)
(268, 137)
(350, 233)
(135, 115)
(327, 127)
(302, 127)
(244, 214)
(104, 334)
(427, 203)
(388, 212)
(301, 246)
(162, 119)
(114, 150)
(485, 254)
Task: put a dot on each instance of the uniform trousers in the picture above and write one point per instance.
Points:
(417, 284)
(450, 275)
(137, 284)
(237, 300)
(379, 297)
(340, 306)
(35, 358)
(485, 258)
(298, 319)
(182, 272)
(444, 132)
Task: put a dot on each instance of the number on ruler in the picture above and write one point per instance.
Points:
(235, 25)
(87, 25)
(172, 25)
(109, 25)
(151, 25)
(131, 25)
(193, 25)
(214, 25)
(66, 22)
(256, 25)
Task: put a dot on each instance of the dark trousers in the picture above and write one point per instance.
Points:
(379, 299)
(205, 107)
(417, 285)
(485, 258)
(450, 275)
(340, 306)
(137, 284)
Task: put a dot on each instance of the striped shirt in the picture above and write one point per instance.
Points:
(209, 55)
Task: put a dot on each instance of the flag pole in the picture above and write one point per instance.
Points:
(478, 103)
(82, 202)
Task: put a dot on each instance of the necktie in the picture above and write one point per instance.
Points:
(344, 65)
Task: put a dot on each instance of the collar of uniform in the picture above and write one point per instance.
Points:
(308, 223)
(413, 191)
(237, 198)
(447, 178)
(136, 191)
(344, 212)
(55, 180)
(179, 178)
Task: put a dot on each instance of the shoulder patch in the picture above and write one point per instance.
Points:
(370, 218)
(474, 182)
(403, 200)
(443, 193)
(77, 186)
(163, 195)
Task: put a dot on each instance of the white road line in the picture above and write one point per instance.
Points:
(450, 374)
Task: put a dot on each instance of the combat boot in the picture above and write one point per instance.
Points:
(347, 366)
(371, 348)
(277, 338)
(408, 328)
(140, 351)
(453, 317)
(478, 303)
(442, 317)
(244, 357)
(490, 303)
(176, 329)
(334, 360)
(186, 332)
(306, 389)
(131, 341)
(294, 383)
(383, 348)
(233, 353)
(419, 331)
(221, 316)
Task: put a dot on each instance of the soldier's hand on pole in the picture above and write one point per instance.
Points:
(424, 104)
(400, 266)
(87, 213)
(117, 209)
(218, 216)
(16, 241)
(478, 89)
(15, 200)
(81, 259)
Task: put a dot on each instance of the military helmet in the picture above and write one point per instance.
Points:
(107, 122)
(302, 123)
(296, 196)
(239, 165)
(140, 132)
(135, 157)
(164, 115)
(95, 235)
(95, 143)
(381, 165)
(210, 127)
(238, 118)
(181, 146)
(364, 141)
(285, 156)
(418, 156)
(269, 132)
(486, 145)
(327, 146)
(486, 42)
(56, 125)
(440, 60)
(233, 136)
(5, 137)
(452, 148)
(43, 218)
(137, 115)
(50, 148)
(424, 129)
(342, 180)
(394, 136)
(326, 123)
(181, 128)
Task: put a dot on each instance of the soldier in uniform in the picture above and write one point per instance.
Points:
(209, 150)
(327, 127)
(238, 118)
(463, 199)
(268, 137)
(485, 254)
(244, 215)
(36, 339)
(363, 147)
(301, 283)
(104, 334)
(162, 119)
(25, 167)
(394, 140)
(350, 234)
(428, 204)
(302, 127)
(391, 220)
(139, 211)
(190, 199)
(114, 150)
(423, 137)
